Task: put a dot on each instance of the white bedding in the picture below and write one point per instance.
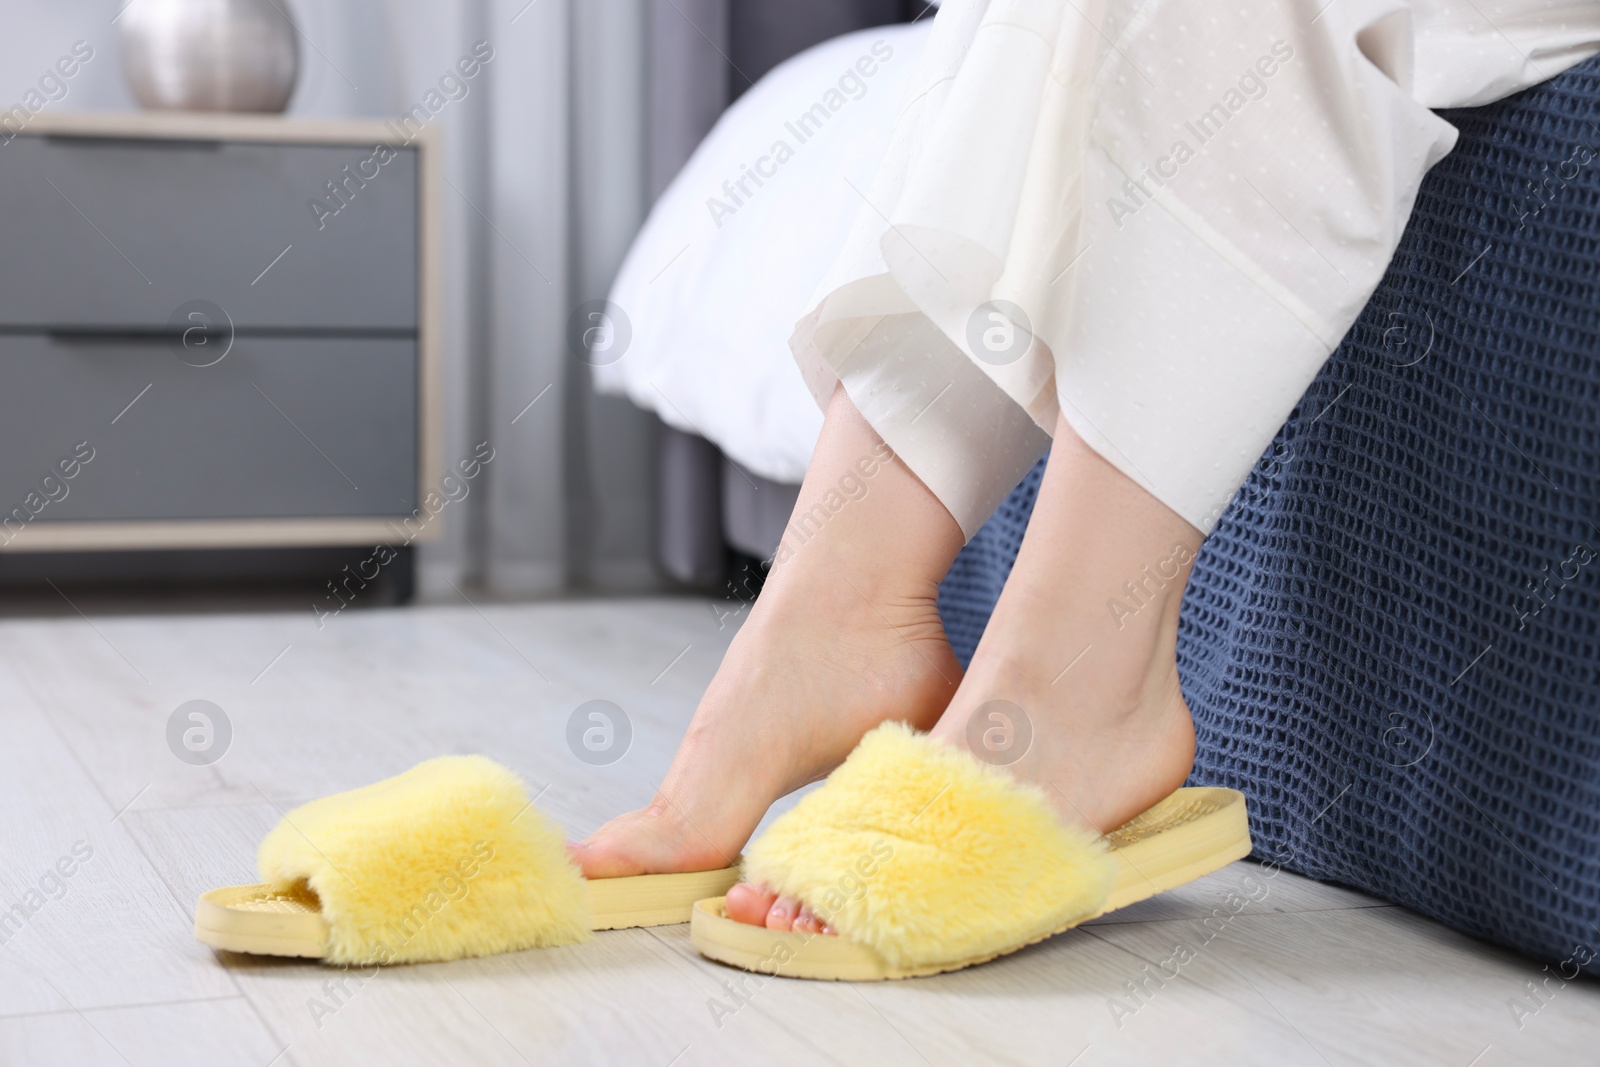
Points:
(718, 276)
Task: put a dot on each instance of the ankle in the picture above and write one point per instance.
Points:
(843, 595)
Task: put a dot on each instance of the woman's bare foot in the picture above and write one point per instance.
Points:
(846, 635)
(1074, 687)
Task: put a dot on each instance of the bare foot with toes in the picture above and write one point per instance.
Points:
(1074, 687)
(845, 635)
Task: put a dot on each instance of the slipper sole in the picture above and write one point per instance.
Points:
(256, 920)
(1194, 832)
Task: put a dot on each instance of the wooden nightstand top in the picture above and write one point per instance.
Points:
(209, 125)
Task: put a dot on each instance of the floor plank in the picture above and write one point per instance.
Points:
(384, 689)
(108, 933)
(1269, 889)
(1044, 1005)
(1298, 973)
(1366, 985)
(220, 1033)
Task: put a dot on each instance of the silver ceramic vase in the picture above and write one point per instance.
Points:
(210, 55)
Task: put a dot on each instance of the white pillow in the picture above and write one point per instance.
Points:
(725, 264)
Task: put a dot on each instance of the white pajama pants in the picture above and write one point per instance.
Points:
(1154, 219)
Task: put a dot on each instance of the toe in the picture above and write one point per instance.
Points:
(782, 914)
(749, 904)
(806, 922)
(598, 859)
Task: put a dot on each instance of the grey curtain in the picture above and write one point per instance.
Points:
(702, 55)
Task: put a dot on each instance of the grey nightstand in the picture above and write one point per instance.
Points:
(215, 360)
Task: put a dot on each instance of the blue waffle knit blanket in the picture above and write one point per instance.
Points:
(1391, 642)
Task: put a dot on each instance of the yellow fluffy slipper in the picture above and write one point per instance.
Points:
(924, 860)
(449, 859)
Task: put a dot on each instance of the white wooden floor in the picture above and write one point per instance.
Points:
(105, 971)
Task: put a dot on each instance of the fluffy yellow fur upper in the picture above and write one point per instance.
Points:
(928, 856)
(444, 861)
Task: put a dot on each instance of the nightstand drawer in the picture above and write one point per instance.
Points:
(111, 232)
(279, 428)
